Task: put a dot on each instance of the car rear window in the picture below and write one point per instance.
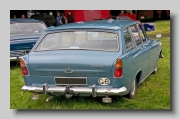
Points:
(88, 40)
(26, 28)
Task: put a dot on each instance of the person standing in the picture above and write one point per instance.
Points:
(129, 12)
(70, 18)
(122, 13)
(14, 16)
(22, 16)
(58, 19)
(63, 19)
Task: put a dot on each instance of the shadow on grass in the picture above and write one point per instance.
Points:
(14, 64)
(86, 102)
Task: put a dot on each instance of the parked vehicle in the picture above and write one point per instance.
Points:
(23, 35)
(98, 58)
(48, 19)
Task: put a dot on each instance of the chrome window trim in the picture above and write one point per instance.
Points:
(142, 32)
(131, 39)
(138, 34)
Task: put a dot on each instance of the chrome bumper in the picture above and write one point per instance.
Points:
(76, 90)
(13, 58)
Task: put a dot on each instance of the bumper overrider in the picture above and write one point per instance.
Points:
(94, 91)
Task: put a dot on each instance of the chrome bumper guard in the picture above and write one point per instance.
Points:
(94, 91)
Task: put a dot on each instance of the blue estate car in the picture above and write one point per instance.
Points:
(23, 35)
(97, 58)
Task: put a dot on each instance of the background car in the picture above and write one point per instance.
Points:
(98, 58)
(23, 35)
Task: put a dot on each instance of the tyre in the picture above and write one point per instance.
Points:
(133, 90)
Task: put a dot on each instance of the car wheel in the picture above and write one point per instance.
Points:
(155, 70)
(133, 90)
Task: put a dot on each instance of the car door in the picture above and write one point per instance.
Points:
(131, 59)
(143, 52)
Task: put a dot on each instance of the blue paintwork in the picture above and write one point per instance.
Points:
(45, 65)
(21, 42)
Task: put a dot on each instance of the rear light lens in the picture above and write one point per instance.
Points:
(23, 67)
(24, 71)
(118, 68)
(118, 72)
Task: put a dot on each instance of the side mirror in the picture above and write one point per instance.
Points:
(158, 35)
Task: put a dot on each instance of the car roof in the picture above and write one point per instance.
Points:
(110, 24)
(24, 20)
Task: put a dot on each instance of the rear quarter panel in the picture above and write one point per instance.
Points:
(155, 50)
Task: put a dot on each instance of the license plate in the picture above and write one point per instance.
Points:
(70, 80)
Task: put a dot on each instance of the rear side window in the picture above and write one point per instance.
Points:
(142, 35)
(135, 34)
(128, 39)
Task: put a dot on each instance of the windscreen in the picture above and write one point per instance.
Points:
(88, 40)
(26, 28)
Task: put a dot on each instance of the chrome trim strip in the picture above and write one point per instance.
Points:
(77, 90)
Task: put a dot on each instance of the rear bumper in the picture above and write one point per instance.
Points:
(94, 91)
(13, 58)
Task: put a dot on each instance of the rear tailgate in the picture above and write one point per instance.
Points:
(71, 63)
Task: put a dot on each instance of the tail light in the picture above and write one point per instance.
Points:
(23, 67)
(118, 68)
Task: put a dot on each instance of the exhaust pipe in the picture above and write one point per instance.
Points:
(106, 99)
(68, 96)
(68, 92)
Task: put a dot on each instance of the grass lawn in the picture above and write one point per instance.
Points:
(153, 93)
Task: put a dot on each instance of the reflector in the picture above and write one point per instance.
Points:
(118, 63)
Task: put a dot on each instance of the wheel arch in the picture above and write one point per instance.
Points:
(138, 76)
(160, 54)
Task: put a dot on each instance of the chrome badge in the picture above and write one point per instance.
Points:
(104, 81)
(68, 71)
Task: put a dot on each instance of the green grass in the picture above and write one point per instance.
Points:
(153, 93)
(162, 27)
